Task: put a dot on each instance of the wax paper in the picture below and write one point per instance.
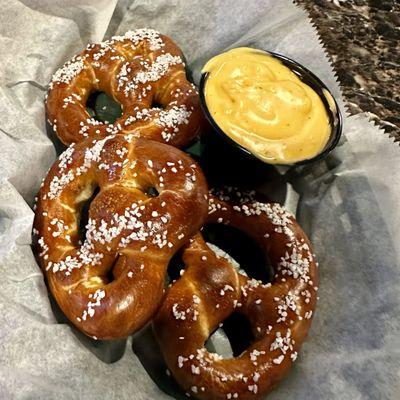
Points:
(348, 204)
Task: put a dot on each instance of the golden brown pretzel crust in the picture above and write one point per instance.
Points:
(136, 69)
(211, 289)
(129, 235)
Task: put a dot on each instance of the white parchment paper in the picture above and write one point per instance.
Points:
(348, 205)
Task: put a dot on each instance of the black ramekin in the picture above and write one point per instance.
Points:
(309, 78)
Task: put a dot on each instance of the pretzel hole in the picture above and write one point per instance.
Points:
(156, 104)
(151, 191)
(175, 266)
(232, 338)
(103, 108)
(253, 261)
(84, 214)
(111, 275)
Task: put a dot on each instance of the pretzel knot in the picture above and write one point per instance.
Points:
(110, 284)
(137, 70)
(211, 289)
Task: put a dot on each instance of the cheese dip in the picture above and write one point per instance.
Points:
(263, 106)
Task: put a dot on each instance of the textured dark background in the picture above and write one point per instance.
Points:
(362, 38)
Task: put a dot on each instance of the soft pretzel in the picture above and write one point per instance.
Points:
(110, 284)
(137, 70)
(211, 289)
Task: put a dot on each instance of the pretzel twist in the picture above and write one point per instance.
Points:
(211, 289)
(112, 283)
(137, 70)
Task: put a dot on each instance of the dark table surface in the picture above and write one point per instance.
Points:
(362, 38)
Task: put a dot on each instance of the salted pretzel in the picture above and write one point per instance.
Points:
(137, 70)
(111, 282)
(211, 289)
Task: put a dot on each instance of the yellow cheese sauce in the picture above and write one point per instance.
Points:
(263, 106)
